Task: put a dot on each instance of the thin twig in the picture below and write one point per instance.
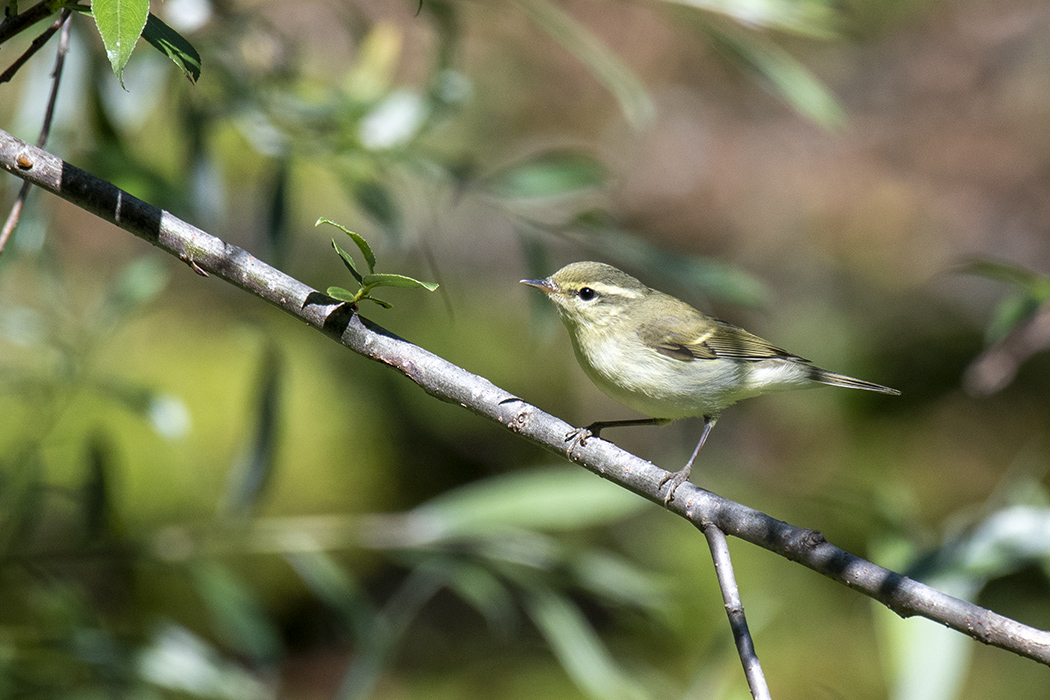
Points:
(37, 44)
(45, 131)
(448, 382)
(745, 645)
(16, 24)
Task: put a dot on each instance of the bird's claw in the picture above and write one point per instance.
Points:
(673, 481)
(578, 437)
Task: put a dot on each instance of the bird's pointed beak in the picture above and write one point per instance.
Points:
(545, 284)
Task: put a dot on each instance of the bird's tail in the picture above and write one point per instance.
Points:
(823, 376)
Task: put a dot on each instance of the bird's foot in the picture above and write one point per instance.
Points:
(578, 437)
(673, 481)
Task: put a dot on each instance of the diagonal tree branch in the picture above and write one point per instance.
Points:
(207, 254)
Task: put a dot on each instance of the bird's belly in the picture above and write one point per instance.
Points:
(666, 387)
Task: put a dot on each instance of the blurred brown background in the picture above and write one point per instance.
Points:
(201, 498)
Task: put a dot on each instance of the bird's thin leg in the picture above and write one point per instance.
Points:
(680, 477)
(579, 436)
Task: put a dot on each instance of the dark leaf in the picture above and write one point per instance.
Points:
(335, 586)
(348, 261)
(170, 43)
(277, 230)
(253, 471)
(97, 490)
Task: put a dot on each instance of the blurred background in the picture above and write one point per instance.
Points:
(202, 498)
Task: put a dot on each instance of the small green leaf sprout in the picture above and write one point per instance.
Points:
(370, 280)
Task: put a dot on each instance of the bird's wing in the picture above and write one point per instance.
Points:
(705, 338)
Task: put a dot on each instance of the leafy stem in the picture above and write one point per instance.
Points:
(370, 280)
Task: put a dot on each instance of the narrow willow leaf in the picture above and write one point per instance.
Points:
(277, 224)
(237, 614)
(785, 75)
(578, 647)
(170, 43)
(384, 304)
(97, 489)
(347, 260)
(339, 590)
(542, 499)
(814, 18)
(252, 472)
(362, 244)
(341, 294)
(549, 174)
(391, 280)
(606, 66)
(120, 23)
(1036, 285)
(1011, 312)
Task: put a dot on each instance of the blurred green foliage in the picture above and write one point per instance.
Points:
(198, 499)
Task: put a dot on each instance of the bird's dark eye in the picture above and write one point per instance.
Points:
(586, 293)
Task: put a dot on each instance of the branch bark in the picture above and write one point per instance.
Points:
(745, 645)
(45, 130)
(205, 253)
(16, 24)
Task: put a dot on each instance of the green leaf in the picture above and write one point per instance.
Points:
(341, 294)
(170, 43)
(1012, 311)
(606, 66)
(348, 261)
(814, 18)
(392, 280)
(549, 174)
(362, 244)
(238, 617)
(1036, 285)
(785, 75)
(1032, 291)
(578, 647)
(545, 499)
(486, 593)
(382, 303)
(253, 471)
(615, 578)
(140, 282)
(120, 23)
(334, 585)
(97, 489)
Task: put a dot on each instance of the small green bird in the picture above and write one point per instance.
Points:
(659, 356)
